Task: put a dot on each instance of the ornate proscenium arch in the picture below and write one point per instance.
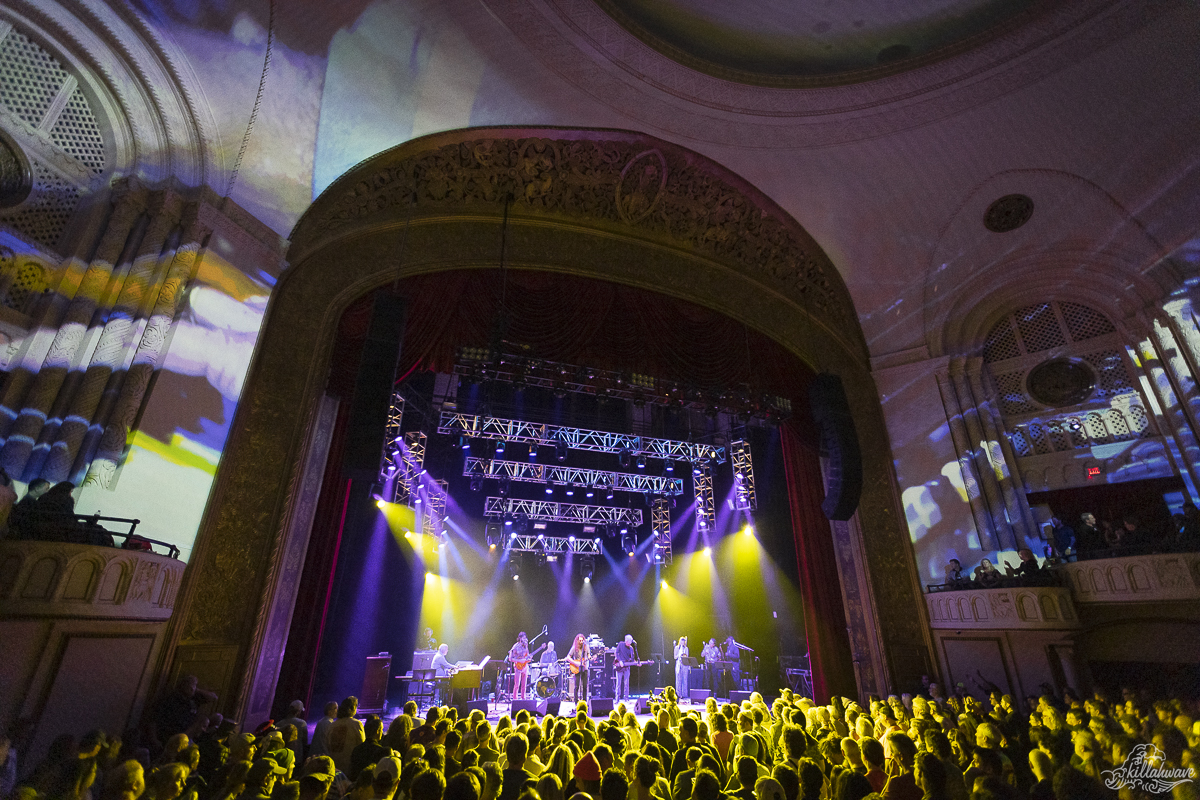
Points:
(612, 205)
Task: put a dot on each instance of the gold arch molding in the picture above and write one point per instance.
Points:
(611, 205)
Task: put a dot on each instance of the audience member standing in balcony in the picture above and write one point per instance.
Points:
(1087, 535)
(23, 517)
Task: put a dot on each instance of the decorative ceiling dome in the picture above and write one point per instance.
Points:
(774, 42)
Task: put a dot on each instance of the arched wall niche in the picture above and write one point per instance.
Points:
(611, 205)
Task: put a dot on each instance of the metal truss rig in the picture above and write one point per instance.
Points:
(524, 543)
(660, 527)
(411, 452)
(548, 511)
(571, 476)
(745, 498)
(512, 430)
(391, 438)
(702, 483)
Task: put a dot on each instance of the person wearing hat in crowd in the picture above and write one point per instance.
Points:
(316, 778)
(275, 749)
(587, 774)
(295, 718)
(260, 780)
(386, 778)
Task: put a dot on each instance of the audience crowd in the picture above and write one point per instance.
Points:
(1088, 539)
(47, 513)
(923, 747)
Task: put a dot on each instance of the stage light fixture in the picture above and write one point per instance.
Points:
(541, 558)
(590, 494)
(587, 567)
(560, 450)
(597, 542)
(503, 486)
(570, 492)
(707, 550)
(499, 448)
(571, 539)
(514, 566)
(464, 443)
(664, 583)
(623, 459)
(628, 542)
(610, 494)
(668, 466)
(476, 484)
(533, 452)
(697, 470)
(380, 503)
(408, 534)
(749, 530)
(549, 487)
(641, 461)
(507, 522)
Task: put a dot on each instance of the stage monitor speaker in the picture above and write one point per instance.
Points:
(600, 706)
(699, 695)
(839, 443)
(737, 697)
(566, 709)
(528, 705)
(373, 386)
(467, 706)
(643, 705)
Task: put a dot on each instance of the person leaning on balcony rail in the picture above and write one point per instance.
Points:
(986, 575)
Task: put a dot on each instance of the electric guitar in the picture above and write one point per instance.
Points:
(522, 663)
(576, 665)
(620, 664)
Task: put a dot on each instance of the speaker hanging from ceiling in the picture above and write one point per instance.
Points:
(839, 445)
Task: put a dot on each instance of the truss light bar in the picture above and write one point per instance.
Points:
(570, 476)
(411, 466)
(745, 498)
(553, 544)
(549, 511)
(660, 527)
(512, 430)
(703, 486)
(389, 464)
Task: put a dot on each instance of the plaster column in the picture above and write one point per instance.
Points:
(35, 403)
(962, 446)
(1001, 455)
(109, 451)
(979, 452)
(116, 338)
(1164, 403)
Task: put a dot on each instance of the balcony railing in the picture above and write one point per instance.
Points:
(1030, 607)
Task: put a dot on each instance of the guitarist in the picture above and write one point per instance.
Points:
(578, 658)
(519, 656)
(623, 659)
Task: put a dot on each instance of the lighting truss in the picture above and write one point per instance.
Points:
(660, 527)
(703, 484)
(550, 511)
(412, 464)
(511, 364)
(391, 432)
(524, 543)
(434, 509)
(571, 476)
(513, 430)
(743, 476)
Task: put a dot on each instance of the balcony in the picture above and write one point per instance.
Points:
(56, 579)
(1017, 607)
(1135, 579)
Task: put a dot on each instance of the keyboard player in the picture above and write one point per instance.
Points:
(444, 669)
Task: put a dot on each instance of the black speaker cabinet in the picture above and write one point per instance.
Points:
(839, 441)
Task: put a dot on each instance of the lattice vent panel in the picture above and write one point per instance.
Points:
(28, 283)
(1001, 343)
(77, 133)
(1116, 424)
(1012, 397)
(1139, 421)
(1094, 424)
(1020, 442)
(29, 78)
(45, 213)
(1083, 322)
(1113, 377)
(1039, 328)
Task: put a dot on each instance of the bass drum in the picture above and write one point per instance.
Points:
(546, 687)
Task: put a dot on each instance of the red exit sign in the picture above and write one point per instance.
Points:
(1093, 472)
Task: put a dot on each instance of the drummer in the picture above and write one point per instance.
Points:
(549, 658)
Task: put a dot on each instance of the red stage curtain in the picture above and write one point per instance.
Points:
(820, 586)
